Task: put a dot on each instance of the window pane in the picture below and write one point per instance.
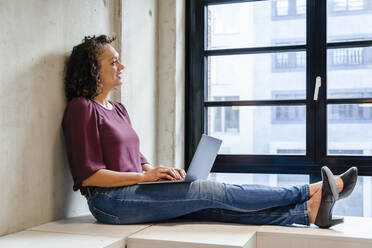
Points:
(301, 7)
(352, 16)
(349, 129)
(356, 5)
(359, 203)
(275, 130)
(257, 76)
(349, 72)
(256, 24)
(339, 5)
(282, 7)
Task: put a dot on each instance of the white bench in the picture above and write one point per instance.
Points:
(84, 231)
(77, 232)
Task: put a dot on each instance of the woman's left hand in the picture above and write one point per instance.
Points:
(181, 172)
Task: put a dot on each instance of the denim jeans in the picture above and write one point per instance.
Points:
(200, 200)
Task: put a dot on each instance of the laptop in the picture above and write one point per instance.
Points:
(201, 163)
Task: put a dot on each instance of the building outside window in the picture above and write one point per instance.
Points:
(297, 8)
(289, 8)
(338, 58)
(226, 119)
(350, 5)
(339, 112)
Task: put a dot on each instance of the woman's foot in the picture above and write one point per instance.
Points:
(313, 205)
(329, 196)
(321, 203)
(345, 185)
(349, 178)
(315, 187)
(315, 197)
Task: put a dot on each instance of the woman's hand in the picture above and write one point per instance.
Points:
(181, 172)
(162, 172)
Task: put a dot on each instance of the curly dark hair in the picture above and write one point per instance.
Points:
(82, 77)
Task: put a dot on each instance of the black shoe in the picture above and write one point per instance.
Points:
(329, 196)
(349, 178)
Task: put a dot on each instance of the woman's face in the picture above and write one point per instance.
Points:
(109, 68)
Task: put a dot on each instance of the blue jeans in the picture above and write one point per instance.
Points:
(201, 200)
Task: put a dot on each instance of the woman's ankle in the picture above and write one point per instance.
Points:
(340, 184)
(313, 205)
(315, 187)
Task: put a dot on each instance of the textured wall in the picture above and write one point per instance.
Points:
(139, 56)
(35, 37)
(171, 83)
(153, 91)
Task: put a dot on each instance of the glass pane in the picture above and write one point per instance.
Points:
(349, 72)
(274, 130)
(359, 203)
(349, 129)
(256, 24)
(352, 16)
(257, 76)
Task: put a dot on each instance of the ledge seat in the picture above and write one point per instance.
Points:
(81, 231)
(195, 235)
(84, 231)
(87, 225)
(26, 239)
(356, 232)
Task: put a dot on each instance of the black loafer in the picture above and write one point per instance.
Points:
(349, 178)
(329, 197)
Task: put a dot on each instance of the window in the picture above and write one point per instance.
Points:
(288, 8)
(289, 60)
(290, 151)
(300, 7)
(272, 123)
(350, 5)
(353, 112)
(338, 58)
(337, 112)
(282, 7)
(358, 56)
(226, 119)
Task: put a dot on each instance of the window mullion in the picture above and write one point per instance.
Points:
(316, 40)
(194, 76)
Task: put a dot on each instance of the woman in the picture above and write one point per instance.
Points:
(106, 164)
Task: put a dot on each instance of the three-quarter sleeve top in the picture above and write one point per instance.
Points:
(99, 138)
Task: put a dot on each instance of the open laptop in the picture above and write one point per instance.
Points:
(202, 161)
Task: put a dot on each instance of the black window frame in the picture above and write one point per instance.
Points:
(316, 50)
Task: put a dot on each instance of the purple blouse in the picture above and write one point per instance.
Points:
(99, 138)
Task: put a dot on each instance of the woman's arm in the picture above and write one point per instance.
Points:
(108, 178)
(147, 167)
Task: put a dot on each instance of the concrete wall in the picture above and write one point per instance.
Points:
(139, 56)
(171, 83)
(35, 38)
(153, 91)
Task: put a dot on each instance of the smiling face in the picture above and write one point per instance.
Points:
(109, 68)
